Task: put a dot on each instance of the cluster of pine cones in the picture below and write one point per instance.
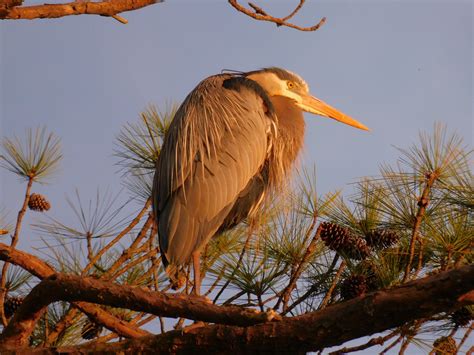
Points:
(344, 241)
(350, 245)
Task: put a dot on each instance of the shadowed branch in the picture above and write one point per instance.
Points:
(363, 316)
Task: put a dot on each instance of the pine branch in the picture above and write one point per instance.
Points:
(42, 270)
(375, 312)
(13, 244)
(71, 288)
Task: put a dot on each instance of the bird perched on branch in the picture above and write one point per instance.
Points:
(234, 138)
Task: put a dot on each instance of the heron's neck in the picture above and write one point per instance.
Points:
(290, 128)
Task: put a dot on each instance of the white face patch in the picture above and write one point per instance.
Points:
(275, 86)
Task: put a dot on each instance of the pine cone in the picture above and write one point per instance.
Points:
(334, 236)
(342, 240)
(461, 317)
(445, 346)
(381, 238)
(356, 248)
(91, 330)
(11, 305)
(369, 270)
(353, 286)
(38, 203)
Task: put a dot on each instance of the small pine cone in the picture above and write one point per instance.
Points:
(334, 236)
(461, 317)
(91, 330)
(38, 203)
(11, 305)
(353, 286)
(356, 248)
(381, 238)
(445, 346)
(369, 270)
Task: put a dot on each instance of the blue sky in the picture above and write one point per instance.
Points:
(396, 66)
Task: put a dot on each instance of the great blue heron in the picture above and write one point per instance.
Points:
(235, 136)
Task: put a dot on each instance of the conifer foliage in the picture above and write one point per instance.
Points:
(304, 252)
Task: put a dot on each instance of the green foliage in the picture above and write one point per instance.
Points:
(37, 157)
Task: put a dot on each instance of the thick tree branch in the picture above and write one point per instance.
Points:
(103, 8)
(375, 312)
(42, 270)
(72, 288)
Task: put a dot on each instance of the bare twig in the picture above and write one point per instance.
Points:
(295, 11)
(422, 205)
(313, 288)
(465, 337)
(124, 232)
(261, 15)
(326, 299)
(370, 343)
(239, 262)
(285, 295)
(14, 242)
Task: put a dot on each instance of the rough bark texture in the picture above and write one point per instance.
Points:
(40, 269)
(71, 288)
(331, 326)
(103, 8)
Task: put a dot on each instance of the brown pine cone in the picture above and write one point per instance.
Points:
(38, 203)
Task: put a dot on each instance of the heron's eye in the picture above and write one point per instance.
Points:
(290, 85)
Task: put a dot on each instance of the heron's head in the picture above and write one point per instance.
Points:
(281, 82)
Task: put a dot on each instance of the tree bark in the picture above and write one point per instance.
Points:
(334, 325)
(72, 288)
(103, 8)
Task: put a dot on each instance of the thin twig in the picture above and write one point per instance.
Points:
(295, 11)
(313, 288)
(391, 345)
(285, 295)
(334, 283)
(260, 15)
(370, 343)
(422, 205)
(14, 242)
(239, 262)
(124, 232)
(465, 337)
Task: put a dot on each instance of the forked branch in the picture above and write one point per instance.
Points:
(261, 15)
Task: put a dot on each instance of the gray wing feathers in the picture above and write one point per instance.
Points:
(216, 144)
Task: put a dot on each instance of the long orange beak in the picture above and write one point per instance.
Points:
(314, 105)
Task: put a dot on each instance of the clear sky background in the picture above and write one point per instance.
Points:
(396, 66)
